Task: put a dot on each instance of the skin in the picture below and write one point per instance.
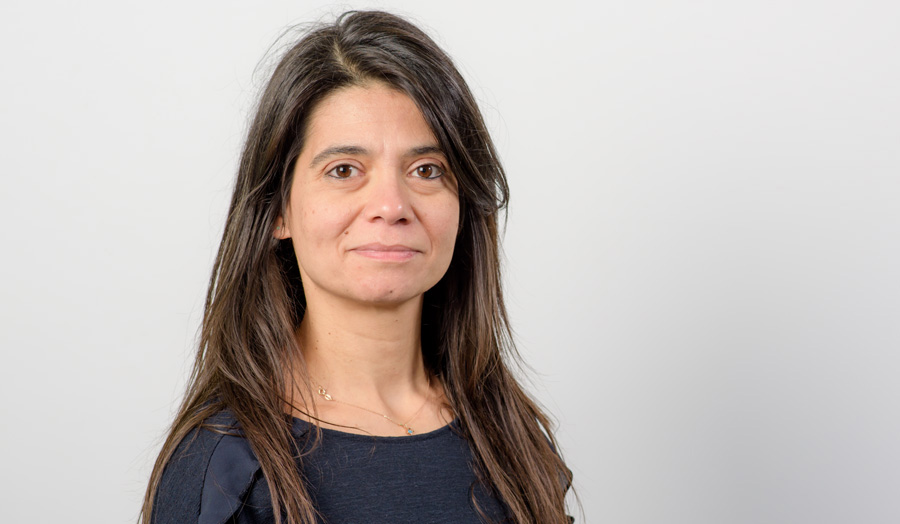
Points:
(373, 216)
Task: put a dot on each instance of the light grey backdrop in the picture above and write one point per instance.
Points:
(702, 252)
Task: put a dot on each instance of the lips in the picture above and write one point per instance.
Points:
(394, 252)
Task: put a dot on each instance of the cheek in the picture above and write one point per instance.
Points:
(320, 223)
(444, 225)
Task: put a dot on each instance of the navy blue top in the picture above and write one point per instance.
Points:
(214, 478)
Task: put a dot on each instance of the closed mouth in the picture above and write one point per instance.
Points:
(386, 252)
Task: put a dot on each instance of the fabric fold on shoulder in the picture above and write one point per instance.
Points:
(229, 476)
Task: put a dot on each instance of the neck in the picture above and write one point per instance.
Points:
(361, 352)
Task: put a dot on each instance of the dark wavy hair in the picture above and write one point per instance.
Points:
(248, 357)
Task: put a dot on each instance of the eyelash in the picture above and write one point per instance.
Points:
(438, 169)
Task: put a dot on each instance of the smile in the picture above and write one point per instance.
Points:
(397, 253)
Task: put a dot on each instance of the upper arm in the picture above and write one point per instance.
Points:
(178, 495)
(207, 480)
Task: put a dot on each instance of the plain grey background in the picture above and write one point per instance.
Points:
(702, 257)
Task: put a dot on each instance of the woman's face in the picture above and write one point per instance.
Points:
(373, 209)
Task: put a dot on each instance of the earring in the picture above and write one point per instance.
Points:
(277, 228)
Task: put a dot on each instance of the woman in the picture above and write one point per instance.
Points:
(353, 356)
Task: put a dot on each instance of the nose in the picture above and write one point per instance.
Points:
(388, 199)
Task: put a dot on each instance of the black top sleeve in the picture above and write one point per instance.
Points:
(210, 479)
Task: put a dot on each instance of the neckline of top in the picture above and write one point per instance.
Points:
(301, 426)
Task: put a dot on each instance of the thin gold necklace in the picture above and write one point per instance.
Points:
(409, 431)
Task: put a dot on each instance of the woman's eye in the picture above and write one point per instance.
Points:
(342, 171)
(429, 171)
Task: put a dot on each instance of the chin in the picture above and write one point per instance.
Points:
(387, 292)
(387, 297)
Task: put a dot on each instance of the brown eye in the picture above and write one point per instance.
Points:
(429, 171)
(342, 171)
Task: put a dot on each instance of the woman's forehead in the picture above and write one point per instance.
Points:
(372, 118)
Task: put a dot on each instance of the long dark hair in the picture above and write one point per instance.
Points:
(248, 355)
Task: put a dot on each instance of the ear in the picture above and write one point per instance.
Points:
(281, 231)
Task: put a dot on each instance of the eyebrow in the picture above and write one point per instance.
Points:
(357, 150)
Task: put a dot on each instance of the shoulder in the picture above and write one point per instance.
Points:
(209, 475)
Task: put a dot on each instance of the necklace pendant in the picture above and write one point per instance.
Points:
(409, 431)
(324, 393)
